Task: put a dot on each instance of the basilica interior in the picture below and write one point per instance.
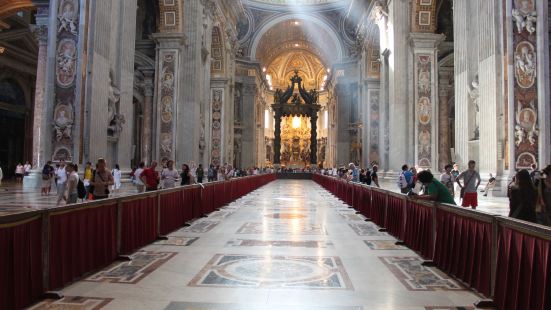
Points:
(279, 84)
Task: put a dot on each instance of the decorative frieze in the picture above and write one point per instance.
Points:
(424, 110)
(216, 146)
(167, 102)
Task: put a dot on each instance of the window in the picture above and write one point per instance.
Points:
(267, 119)
(325, 119)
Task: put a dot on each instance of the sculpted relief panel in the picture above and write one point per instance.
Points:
(65, 78)
(424, 111)
(166, 103)
(526, 127)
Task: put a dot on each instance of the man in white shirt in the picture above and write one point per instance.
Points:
(137, 178)
(61, 177)
(169, 175)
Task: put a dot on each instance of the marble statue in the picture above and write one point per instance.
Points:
(67, 17)
(525, 18)
(114, 97)
(115, 126)
(525, 64)
(474, 94)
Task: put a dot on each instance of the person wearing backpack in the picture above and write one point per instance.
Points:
(200, 173)
(405, 180)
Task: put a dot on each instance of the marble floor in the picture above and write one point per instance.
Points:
(289, 245)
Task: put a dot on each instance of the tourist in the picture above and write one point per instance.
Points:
(200, 172)
(185, 176)
(221, 173)
(405, 180)
(88, 174)
(354, 173)
(469, 188)
(117, 176)
(522, 197)
(210, 174)
(367, 179)
(543, 207)
(374, 176)
(455, 173)
(150, 177)
(19, 172)
(490, 185)
(72, 184)
(101, 180)
(47, 174)
(169, 175)
(27, 169)
(230, 172)
(534, 174)
(448, 179)
(61, 181)
(434, 189)
(140, 186)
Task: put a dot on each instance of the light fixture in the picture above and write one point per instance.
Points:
(328, 70)
(264, 69)
(296, 122)
(297, 22)
(296, 45)
(2, 49)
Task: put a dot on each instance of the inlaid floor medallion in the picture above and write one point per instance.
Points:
(141, 265)
(282, 228)
(273, 272)
(200, 226)
(72, 303)
(177, 241)
(416, 277)
(366, 229)
(384, 245)
(279, 243)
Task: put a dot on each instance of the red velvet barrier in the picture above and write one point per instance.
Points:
(233, 189)
(523, 278)
(173, 212)
(207, 199)
(366, 205)
(218, 195)
(378, 207)
(81, 240)
(463, 249)
(396, 216)
(418, 234)
(20, 263)
(349, 193)
(358, 190)
(192, 196)
(138, 223)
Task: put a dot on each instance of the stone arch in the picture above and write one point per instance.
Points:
(318, 21)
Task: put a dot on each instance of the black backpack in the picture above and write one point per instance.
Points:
(81, 190)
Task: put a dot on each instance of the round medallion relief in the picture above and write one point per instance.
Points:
(216, 124)
(216, 106)
(216, 115)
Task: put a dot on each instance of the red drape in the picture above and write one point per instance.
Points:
(138, 223)
(81, 241)
(523, 279)
(378, 207)
(396, 216)
(207, 199)
(358, 190)
(463, 249)
(349, 194)
(20, 264)
(173, 211)
(365, 207)
(418, 234)
(218, 195)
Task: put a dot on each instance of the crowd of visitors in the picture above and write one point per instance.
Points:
(529, 192)
(99, 182)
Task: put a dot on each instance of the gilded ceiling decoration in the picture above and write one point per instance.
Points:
(310, 68)
(296, 2)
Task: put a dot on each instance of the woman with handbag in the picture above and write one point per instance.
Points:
(522, 197)
(101, 180)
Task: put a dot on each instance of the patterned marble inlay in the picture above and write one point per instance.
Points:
(366, 229)
(282, 228)
(220, 215)
(416, 277)
(353, 217)
(285, 216)
(316, 272)
(213, 306)
(384, 245)
(177, 240)
(73, 302)
(449, 308)
(141, 265)
(279, 243)
(200, 226)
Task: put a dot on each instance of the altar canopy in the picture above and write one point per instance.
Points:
(295, 139)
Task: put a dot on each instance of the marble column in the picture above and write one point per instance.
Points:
(277, 139)
(149, 89)
(248, 143)
(41, 34)
(444, 155)
(314, 139)
(425, 88)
